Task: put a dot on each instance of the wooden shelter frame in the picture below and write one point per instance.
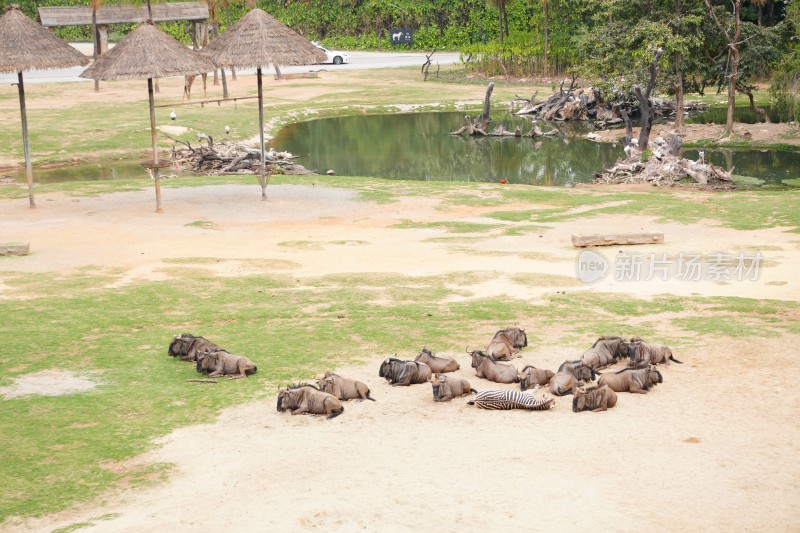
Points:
(194, 12)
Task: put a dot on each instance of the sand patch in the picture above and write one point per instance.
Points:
(48, 383)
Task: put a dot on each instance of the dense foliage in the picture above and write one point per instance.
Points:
(612, 41)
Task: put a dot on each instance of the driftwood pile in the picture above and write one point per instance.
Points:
(586, 103)
(573, 104)
(230, 157)
(664, 166)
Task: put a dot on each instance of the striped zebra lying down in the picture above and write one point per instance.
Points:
(511, 399)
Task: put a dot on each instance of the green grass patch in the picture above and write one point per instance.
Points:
(448, 226)
(202, 224)
(58, 449)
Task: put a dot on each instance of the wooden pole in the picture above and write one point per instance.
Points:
(95, 42)
(156, 172)
(25, 141)
(261, 136)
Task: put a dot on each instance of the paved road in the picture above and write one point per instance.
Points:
(358, 61)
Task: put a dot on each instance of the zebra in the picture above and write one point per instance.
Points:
(511, 399)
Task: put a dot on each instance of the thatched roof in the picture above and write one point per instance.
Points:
(147, 52)
(258, 40)
(26, 45)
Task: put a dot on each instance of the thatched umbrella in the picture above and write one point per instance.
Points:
(256, 41)
(148, 52)
(26, 45)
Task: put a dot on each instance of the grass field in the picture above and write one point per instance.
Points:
(58, 451)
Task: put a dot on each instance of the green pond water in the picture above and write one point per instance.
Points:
(418, 146)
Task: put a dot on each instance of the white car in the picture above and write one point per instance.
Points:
(334, 56)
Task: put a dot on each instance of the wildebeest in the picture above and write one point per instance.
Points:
(531, 376)
(569, 376)
(487, 368)
(344, 388)
(217, 363)
(599, 399)
(445, 388)
(304, 398)
(507, 343)
(438, 363)
(650, 352)
(399, 372)
(605, 351)
(187, 346)
(632, 380)
(512, 399)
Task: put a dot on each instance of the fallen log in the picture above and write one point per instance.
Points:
(582, 241)
(15, 248)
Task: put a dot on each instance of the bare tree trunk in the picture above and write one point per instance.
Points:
(482, 122)
(759, 111)
(733, 57)
(678, 75)
(678, 92)
(619, 111)
(546, 6)
(500, 20)
(645, 107)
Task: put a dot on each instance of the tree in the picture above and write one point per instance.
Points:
(732, 38)
(625, 34)
(760, 4)
(502, 16)
(546, 9)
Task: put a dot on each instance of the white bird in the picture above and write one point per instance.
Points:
(172, 115)
(227, 129)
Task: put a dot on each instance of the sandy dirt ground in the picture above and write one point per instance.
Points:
(711, 449)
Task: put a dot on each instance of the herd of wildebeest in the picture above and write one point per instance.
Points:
(492, 364)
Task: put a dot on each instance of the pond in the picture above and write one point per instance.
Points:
(418, 147)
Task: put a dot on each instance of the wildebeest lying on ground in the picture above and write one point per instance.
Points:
(632, 380)
(507, 343)
(217, 363)
(487, 368)
(571, 375)
(344, 388)
(531, 376)
(606, 351)
(399, 372)
(599, 399)
(640, 351)
(512, 399)
(438, 363)
(187, 346)
(445, 388)
(304, 398)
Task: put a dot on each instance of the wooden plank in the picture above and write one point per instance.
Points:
(203, 102)
(581, 241)
(15, 248)
(122, 14)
